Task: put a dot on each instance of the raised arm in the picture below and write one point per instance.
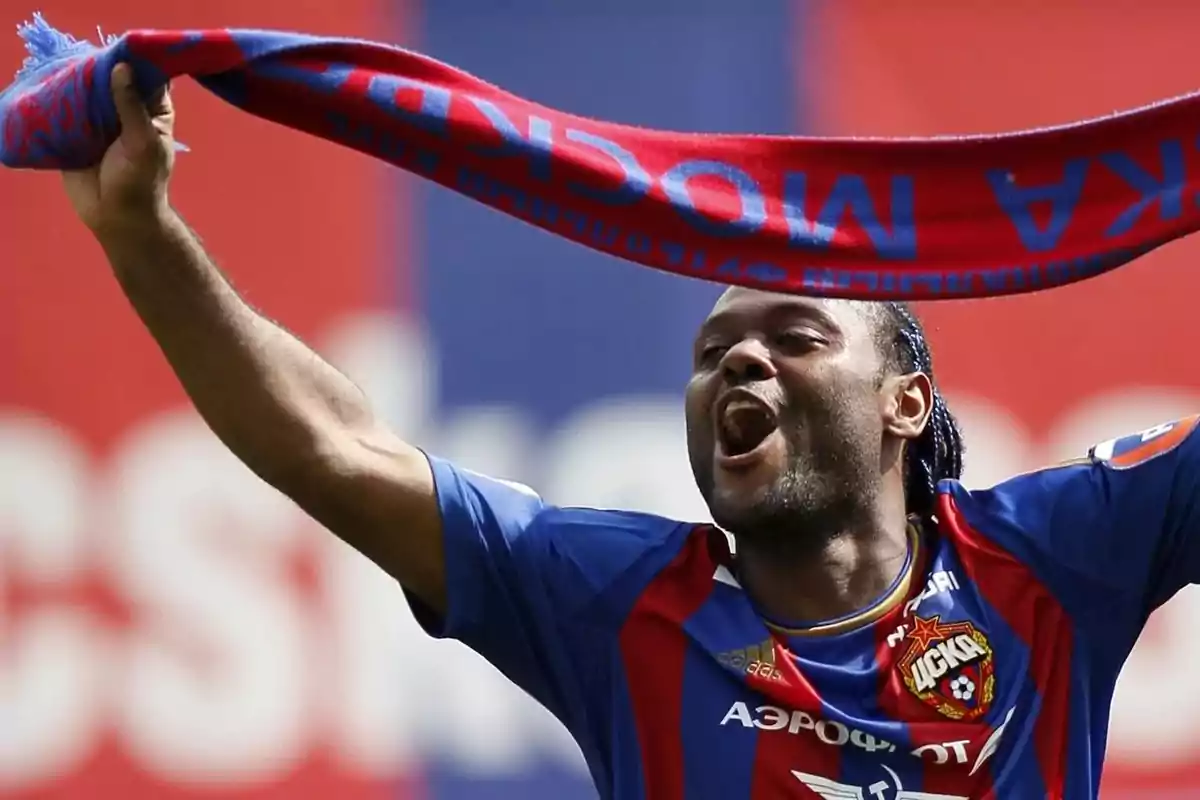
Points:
(291, 417)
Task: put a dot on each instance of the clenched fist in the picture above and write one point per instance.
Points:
(129, 185)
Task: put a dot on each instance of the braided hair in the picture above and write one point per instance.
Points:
(937, 454)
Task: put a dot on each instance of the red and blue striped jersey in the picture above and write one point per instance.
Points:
(987, 670)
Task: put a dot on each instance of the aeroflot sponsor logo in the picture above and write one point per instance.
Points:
(832, 732)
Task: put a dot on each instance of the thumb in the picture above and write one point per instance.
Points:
(137, 130)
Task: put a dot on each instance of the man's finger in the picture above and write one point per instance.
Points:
(136, 127)
(159, 103)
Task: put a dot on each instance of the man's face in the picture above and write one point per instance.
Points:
(784, 413)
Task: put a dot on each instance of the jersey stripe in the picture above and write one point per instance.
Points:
(946, 748)
(1041, 623)
(654, 650)
(712, 693)
(888, 692)
(780, 753)
(930, 739)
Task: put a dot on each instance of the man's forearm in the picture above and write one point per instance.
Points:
(287, 414)
(273, 401)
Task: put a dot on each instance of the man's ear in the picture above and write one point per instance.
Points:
(907, 402)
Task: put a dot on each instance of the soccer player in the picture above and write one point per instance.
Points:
(875, 630)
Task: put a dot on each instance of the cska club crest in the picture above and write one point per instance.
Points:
(949, 667)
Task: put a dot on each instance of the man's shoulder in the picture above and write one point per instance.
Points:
(586, 519)
(1150, 453)
(1027, 501)
(585, 531)
(611, 554)
(1037, 486)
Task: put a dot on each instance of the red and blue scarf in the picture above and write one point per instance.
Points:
(861, 218)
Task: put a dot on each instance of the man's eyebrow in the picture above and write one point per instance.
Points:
(777, 312)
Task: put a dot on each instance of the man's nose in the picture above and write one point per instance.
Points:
(748, 361)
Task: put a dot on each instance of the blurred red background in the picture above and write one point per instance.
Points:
(120, 519)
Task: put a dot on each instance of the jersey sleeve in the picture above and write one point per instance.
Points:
(533, 588)
(1117, 531)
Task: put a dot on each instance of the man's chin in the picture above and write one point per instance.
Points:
(746, 484)
(735, 506)
(743, 489)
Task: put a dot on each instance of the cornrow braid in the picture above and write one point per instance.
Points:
(937, 454)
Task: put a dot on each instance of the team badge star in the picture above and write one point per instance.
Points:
(926, 631)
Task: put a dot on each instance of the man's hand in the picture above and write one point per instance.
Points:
(130, 183)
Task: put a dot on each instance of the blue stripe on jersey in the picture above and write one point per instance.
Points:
(841, 667)
(709, 692)
(1087, 715)
(861, 684)
(625, 779)
(847, 676)
(615, 726)
(725, 624)
(1023, 776)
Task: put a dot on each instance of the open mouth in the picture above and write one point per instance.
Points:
(743, 424)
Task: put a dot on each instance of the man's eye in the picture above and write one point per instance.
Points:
(712, 354)
(797, 341)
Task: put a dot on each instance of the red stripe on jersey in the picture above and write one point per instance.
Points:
(948, 749)
(780, 752)
(1038, 619)
(654, 648)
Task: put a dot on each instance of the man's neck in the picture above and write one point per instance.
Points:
(841, 572)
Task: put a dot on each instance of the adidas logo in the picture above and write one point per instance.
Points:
(757, 659)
